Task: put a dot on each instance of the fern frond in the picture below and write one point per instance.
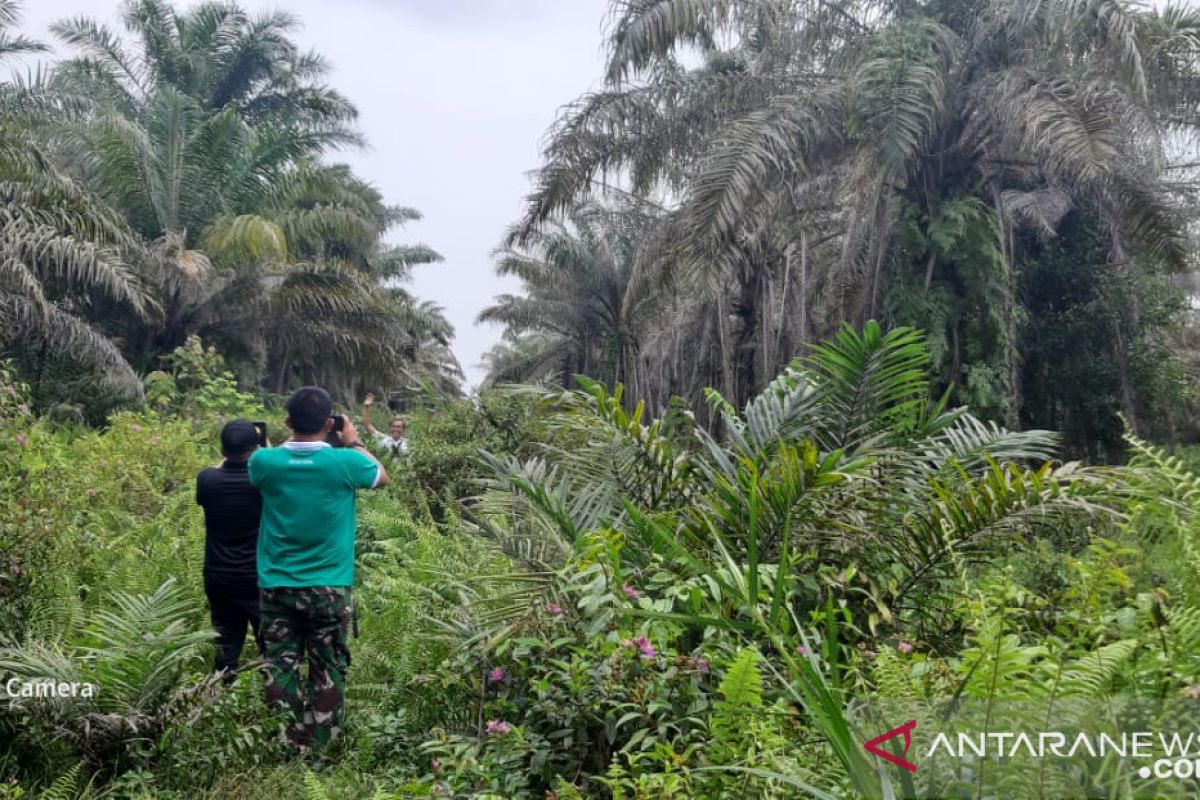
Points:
(741, 700)
(314, 789)
(64, 786)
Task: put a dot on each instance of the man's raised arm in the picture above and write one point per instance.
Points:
(367, 404)
(349, 437)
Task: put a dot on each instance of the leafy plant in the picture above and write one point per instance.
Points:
(841, 499)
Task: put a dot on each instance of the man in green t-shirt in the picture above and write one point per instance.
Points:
(306, 561)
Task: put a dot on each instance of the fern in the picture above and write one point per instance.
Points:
(313, 788)
(63, 787)
(997, 666)
(741, 699)
(742, 686)
(892, 677)
(1092, 674)
(140, 650)
(1168, 509)
(1164, 472)
(1183, 643)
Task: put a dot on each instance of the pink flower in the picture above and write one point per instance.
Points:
(643, 644)
(631, 593)
(801, 649)
(135, 427)
(702, 666)
(435, 765)
(497, 675)
(23, 408)
(905, 647)
(21, 440)
(497, 727)
(554, 609)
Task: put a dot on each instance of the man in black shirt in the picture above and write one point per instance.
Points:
(232, 508)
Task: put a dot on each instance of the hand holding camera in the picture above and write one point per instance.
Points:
(343, 428)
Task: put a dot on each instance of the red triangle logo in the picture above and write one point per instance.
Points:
(905, 729)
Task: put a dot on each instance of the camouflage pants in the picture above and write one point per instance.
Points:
(312, 621)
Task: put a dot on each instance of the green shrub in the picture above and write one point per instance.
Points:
(96, 522)
(443, 467)
(591, 688)
(21, 526)
(623, 607)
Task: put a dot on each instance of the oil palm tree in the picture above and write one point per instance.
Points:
(338, 312)
(429, 361)
(840, 486)
(172, 141)
(61, 252)
(890, 133)
(12, 44)
(215, 53)
(576, 314)
(198, 115)
(206, 130)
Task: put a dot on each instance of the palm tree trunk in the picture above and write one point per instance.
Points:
(629, 370)
(727, 385)
(955, 356)
(789, 254)
(846, 266)
(1128, 396)
(929, 269)
(804, 337)
(766, 342)
(745, 349)
(42, 357)
(1011, 357)
(283, 371)
(880, 238)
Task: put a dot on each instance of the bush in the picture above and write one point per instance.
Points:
(629, 608)
(101, 551)
(20, 527)
(443, 465)
(589, 687)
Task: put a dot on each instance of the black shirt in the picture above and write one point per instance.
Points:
(232, 508)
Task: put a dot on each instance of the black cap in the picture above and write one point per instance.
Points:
(239, 437)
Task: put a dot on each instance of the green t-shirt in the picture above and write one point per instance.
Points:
(306, 537)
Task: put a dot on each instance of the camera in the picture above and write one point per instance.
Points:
(334, 437)
(261, 427)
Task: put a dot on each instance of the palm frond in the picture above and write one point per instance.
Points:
(867, 382)
(648, 29)
(900, 92)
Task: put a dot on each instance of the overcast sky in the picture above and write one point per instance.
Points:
(455, 97)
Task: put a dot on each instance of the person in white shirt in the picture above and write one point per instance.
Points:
(393, 441)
